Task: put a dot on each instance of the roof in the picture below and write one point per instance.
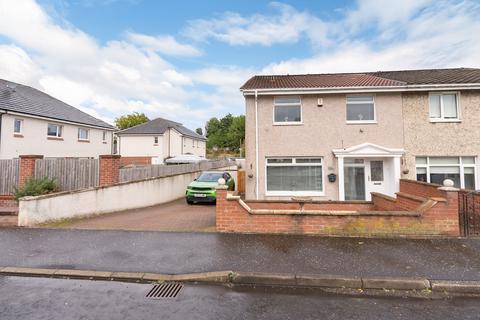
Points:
(365, 79)
(159, 126)
(19, 98)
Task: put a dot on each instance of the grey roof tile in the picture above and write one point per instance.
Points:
(159, 126)
(19, 98)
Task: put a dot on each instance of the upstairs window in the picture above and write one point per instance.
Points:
(443, 107)
(83, 134)
(287, 111)
(360, 109)
(104, 136)
(54, 130)
(18, 126)
(155, 140)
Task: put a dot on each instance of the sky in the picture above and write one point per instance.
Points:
(186, 60)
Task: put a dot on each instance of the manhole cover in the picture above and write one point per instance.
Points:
(165, 290)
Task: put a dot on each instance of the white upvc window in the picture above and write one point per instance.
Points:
(287, 111)
(294, 176)
(443, 107)
(461, 170)
(104, 136)
(54, 130)
(361, 109)
(17, 126)
(155, 140)
(83, 134)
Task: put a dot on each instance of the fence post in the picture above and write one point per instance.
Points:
(109, 169)
(27, 168)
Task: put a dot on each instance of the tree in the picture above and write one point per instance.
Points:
(226, 133)
(199, 131)
(131, 120)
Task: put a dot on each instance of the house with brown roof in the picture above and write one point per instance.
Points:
(342, 136)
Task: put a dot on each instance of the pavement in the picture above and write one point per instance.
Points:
(32, 298)
(175, 253)
(171, 216)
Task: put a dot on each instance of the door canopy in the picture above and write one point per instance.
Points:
(368, 150)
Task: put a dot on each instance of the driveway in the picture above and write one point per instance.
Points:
(171, 216)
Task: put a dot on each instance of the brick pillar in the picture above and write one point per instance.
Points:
(27, 168)
(109, 169)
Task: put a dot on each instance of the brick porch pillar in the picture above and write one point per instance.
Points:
(27, 168)
(109, 169)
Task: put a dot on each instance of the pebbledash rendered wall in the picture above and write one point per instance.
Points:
(419, 209)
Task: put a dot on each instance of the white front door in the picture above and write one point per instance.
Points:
(375, 177)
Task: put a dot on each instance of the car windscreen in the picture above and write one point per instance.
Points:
(210, 176)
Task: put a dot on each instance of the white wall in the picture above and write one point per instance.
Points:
(175, 143)
(131, 195)
(194, 146)
(35, 140)
(141, 146)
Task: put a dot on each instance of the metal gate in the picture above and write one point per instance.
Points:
(469, 211)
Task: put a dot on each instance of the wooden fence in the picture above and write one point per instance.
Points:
(70, 174)
(160, 170)
(9, 174)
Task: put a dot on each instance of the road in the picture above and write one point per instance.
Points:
(36, 298)
(172, 252)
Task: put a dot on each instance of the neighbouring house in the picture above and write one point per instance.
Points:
(157, 140)
(342, 136)
(33, 122)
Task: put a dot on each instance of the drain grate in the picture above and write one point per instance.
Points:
(165, 290)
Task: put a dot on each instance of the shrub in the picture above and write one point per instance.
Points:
(36, 187)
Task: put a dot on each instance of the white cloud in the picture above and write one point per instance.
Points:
(163, 44)
(288, 26)
(107, 80)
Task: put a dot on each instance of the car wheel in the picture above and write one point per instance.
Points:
(189, 201)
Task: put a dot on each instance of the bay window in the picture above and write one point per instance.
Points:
(294, 176)
(461, 170)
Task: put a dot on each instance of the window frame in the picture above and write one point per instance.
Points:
(442, 112)
(287, 123)
(59, 131)
(21, 126)
(83, 139)
(459, 165)
(155, 140)
(294, 163)
(374, 121)
(104, 136)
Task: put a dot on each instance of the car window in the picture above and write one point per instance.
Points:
(210, 176)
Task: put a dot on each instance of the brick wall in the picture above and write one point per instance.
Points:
(7, 201)
(109, 169)
(27, 168)
(421, 189)
(137, 161)
(382, 218)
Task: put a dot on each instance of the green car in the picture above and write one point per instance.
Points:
(202, 189)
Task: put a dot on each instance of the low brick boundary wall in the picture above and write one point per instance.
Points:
(136, 161)
(7, 201)
(406, 215)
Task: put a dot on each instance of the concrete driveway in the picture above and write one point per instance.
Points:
(171, 216)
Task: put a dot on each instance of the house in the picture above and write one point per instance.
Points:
(342, 136)
(157, 140)
(33, 122)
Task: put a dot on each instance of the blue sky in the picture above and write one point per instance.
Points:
(185, 60)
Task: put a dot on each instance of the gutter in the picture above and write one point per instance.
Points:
(325, 90)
